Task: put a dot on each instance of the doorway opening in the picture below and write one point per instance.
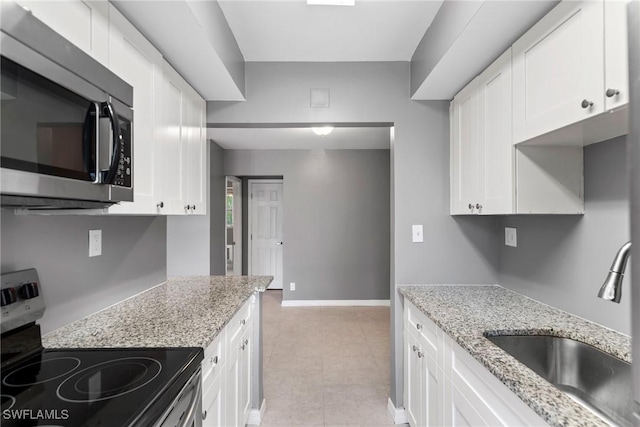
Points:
(233, 227)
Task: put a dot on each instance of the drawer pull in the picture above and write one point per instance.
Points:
(415, 348)
(418, 326)
(214, 360)
(204, 415)
(420, 354)
(243, 321)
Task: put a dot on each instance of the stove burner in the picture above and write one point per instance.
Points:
(7, 401)
(109, 379)
(41, 371)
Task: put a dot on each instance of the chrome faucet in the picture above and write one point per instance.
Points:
(611, 290)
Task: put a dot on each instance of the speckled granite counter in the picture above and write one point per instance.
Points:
(465, 313)
(182, 312)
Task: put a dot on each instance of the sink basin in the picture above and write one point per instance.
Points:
(591, 377)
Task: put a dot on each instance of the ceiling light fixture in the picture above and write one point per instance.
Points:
(331, 2)
(322, 131)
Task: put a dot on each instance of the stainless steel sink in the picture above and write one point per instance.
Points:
(595, 379)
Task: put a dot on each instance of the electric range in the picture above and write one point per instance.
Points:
(88, 387)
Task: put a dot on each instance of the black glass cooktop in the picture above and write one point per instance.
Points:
(93, 387)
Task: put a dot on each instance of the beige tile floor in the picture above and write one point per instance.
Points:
(325, 365)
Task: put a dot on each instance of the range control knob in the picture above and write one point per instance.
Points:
(9, 296)
(29, 290)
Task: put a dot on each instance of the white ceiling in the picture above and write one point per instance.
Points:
(300, 138)
(292, 31)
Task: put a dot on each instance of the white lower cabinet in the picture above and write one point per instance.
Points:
(226, 372)
(445, 385)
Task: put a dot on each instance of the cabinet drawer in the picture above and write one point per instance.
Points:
(416, 321)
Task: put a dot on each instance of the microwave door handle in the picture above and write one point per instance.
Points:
(108, 111)
(91, 164)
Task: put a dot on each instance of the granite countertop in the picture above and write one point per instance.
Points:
(182, 312)
(466, 313)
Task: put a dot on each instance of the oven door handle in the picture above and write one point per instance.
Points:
(91, 164)
(193, 411)
(114, 151)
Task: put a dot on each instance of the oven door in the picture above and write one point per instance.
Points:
(186, 409)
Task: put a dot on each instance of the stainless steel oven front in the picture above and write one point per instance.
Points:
(66, 121)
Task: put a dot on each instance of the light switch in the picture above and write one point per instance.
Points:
(510, 237)
(417, 233)
(95, 243)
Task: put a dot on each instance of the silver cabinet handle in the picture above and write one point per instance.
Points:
(418, 326)
(279, 243)
(160, 205)
(612, 92)
(471, 206)
(415, 348)
(243, 321)
(246, 342)
(242, 347)
(204, 415)
(478, 206)
(586, 103)
(214, 360)
(420, 354)
(187, 207)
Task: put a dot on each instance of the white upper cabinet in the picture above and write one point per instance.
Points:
(616, 61)
(465, 150)
(481, 149)
(184, 148)
(83, 23)
(172, 140)
(195, 155)
(496, 178)
(136, 61)
(558, 69)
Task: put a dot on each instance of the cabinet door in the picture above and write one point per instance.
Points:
(459, 412)
(413, 381)
(465, 151)
(558, 69)
(233, 382)
(245, 369)
(496, 177)
(196, 159)
(172, 141)
(137, 62)
(83, 23)
(616, 61)
(433, 398)
(213, 414)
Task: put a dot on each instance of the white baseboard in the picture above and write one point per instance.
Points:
(256, 415)
(336, 303)
(398, 415)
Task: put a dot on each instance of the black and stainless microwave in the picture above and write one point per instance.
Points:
(66, 121)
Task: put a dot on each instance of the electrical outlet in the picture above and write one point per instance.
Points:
(95, 243)
(510, 237)
(292, 286)
(417, 234)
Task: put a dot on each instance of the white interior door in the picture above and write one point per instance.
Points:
(265, 228)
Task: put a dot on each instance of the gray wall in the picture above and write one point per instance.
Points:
(454, 251)
(196, 243)
(133, 259)
(217, 210)
(335, 219)
(563, 260)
